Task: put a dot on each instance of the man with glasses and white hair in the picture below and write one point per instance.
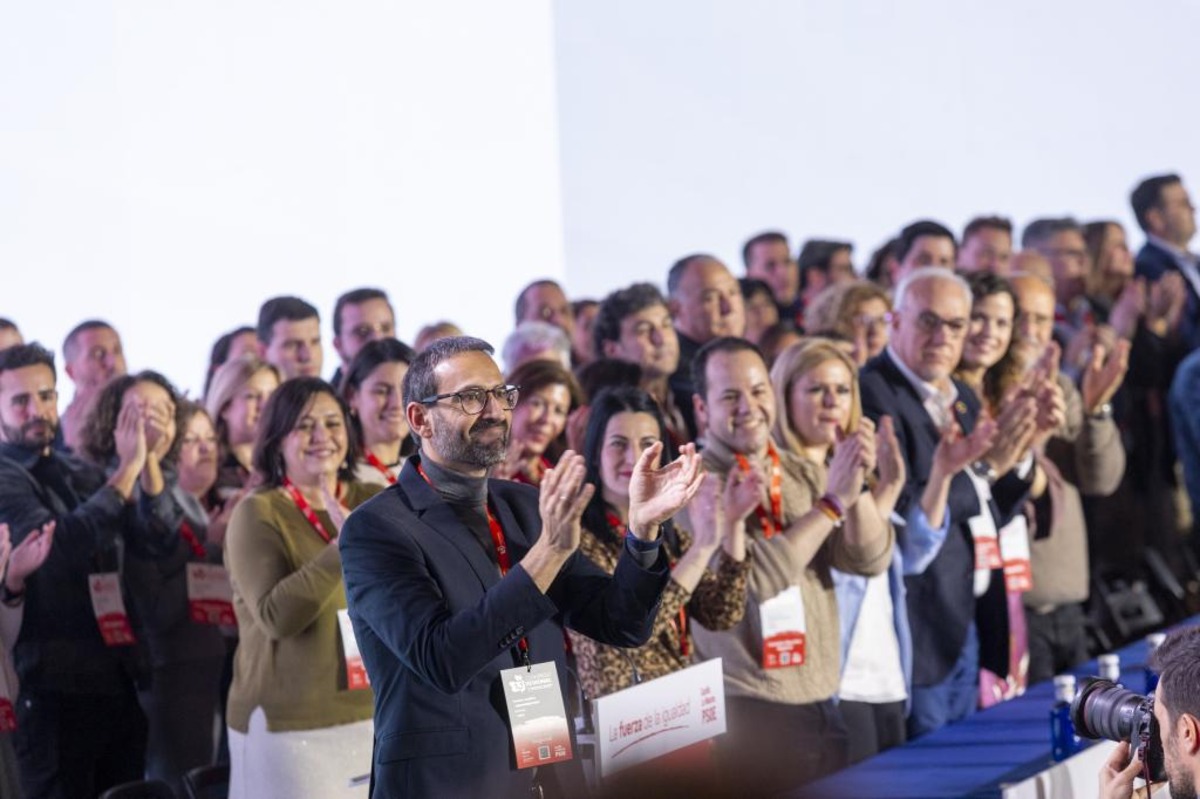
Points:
(452, 578)
(958, 623)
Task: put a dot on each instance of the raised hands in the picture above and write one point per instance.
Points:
(889, 466)
(1165, 302)
(130, 438)
(1104, 375)
(852, 456)
(656, 494)
(561, 501)
(956, 452)
(17, 563)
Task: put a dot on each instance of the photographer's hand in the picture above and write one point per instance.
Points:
(1118, 773)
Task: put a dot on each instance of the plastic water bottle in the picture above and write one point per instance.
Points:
(1110, 667)
(1154, 640)
(1063, 740)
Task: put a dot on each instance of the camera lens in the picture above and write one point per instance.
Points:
(1103, 709)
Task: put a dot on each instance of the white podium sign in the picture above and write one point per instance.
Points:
(660, 716)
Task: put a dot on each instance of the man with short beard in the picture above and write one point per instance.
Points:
(452, 577)
(79, 727)
(1177, 711)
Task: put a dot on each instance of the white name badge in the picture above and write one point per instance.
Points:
(356, 672)
(537, 718)
(210, 596)
(109, 607)
(660, 716)
(1014, 546)
(783, 629)
(8, 716)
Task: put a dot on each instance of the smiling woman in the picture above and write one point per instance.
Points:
(299, 720)
(548, 395)
(373, 387)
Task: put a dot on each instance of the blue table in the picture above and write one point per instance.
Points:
(973, 757)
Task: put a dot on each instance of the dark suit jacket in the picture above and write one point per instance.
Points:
(941, 600)
(1152, 263)
(436, 623)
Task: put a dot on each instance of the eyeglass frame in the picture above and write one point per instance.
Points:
(505, 389)
(930, 323)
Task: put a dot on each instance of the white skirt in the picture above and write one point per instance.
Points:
(300, 764)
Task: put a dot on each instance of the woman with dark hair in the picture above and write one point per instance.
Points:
(299, 710)
(623, 423)
(373, 389)
(548, 395)
(185, 647)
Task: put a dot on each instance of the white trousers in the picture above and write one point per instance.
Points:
(299, 764)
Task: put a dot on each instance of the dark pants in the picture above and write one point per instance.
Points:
(181, 709)
(1057, 641)
(873, 727)
(71, 746)
(771, 747)
(954, 698)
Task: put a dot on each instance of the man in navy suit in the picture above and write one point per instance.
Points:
(452, 577)
(958, 623)
(1165, 213)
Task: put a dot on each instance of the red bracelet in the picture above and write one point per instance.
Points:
(832, 508)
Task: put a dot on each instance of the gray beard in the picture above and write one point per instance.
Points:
(453, 449)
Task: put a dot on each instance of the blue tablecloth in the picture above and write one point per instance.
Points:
(974, 757)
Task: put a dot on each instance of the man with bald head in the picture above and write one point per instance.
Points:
(957, 625)
(1084, 457)
(706, 303)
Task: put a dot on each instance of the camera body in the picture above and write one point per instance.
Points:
(1104, 709)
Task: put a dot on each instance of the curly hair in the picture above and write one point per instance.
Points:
(98, 441)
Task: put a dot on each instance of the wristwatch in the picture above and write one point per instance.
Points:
(1103, 413)
(985, 470)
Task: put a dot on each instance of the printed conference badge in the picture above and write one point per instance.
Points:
(109, 607)
(210, 596)
(987, 543)
(1014, 546)
(537, 718)
(356, 672)
(783, 629)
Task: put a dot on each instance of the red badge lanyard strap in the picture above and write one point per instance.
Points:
(193, 541)
(772, 522)
(306, 509)
(373, 459)
(502, 559)
(619, 528)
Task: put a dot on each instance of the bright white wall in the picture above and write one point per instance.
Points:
(169, 165)
(689, 125)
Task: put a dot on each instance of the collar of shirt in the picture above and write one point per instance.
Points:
(26, 456)
(937, 402)
(1176, 253)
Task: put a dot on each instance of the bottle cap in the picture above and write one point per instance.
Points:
(1110, 666)
(1064, 687)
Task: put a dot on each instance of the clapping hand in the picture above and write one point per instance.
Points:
(956, 452)
(1103, 376)
(658, 493)
(26, 557)
(563, 496)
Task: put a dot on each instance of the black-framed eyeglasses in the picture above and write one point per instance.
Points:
(474, 400)
(929, 322)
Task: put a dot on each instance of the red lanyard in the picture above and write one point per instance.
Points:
(502, 558)
(681, 621)
(771, 522)
(378, 464)
(189, 535)
(307, 510)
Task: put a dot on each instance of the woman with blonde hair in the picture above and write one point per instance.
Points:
(235, 400)
(859, 312)
(816, 390)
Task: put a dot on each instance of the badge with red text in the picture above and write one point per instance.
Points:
(8, 716)
(537, 717)
(109, 607)
(987, 542)
(1014, 546)
(783, 629)
(210, 596)
(356, 672)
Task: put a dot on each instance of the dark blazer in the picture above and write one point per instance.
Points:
(436, 623)
(941, 600)
(1152, 263)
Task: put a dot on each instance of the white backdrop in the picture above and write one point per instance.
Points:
(690, 125)
(169, 165)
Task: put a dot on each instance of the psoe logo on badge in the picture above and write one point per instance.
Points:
(517, 684)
